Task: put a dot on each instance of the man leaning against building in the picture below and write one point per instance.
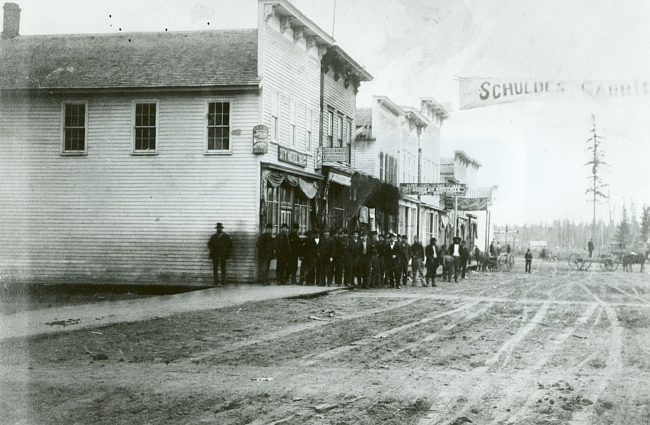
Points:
(220, 246)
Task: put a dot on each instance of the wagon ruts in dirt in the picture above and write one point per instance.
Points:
(580, 261)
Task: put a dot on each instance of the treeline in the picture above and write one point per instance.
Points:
(631, 232)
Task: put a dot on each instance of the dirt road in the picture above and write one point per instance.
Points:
(554, 347)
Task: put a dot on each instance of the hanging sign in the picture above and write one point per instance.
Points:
(472, 204)
(260, 135)
(432, 189)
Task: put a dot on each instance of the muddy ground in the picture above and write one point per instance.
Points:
(554, 347)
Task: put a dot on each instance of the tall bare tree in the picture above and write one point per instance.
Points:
(595, 181)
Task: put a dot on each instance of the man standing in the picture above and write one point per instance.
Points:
(283, 249)
(296, 251)
(493, 250)
(309, 256)
(433, 257)
(374, 260)
(529, 260)
(219, 246)
(590, 247)
(352, 260)
(454, 251)
(326, 252)
(366, 251)
(341, 242)
(393, 262)
(265, 250)
(417, 258)
(382, 260)
(405, 259)
(464, 258)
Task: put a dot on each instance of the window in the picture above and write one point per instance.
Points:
(218, 126)
(308, 126)
(275, 115)
(349, 142)
(74, 128)
(144, 130)
(330, 129)
(293, 117)
(340, 131)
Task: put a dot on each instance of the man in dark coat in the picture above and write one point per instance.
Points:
(283, 250)
(265, 251)
(365, 251)
(432, 253)
(220, 246)
(326, 248)
(529, 260)
(352, 260)
(590, 247)
(393, 261)
(493, 250)
(464, 258)
(295, 241)
(341, 241)
(309, 256)
(405, 258)
(417, 260)
(382, 261)
(374, 260)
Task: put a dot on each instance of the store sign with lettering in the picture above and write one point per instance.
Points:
(260, 136)
(432, 189)
(335, 154)
(292, 157)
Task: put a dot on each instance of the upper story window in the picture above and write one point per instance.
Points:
(293, 117)
(75, 122)
(349, 141)
(339, 132)
(275, 115)
(330, 129)
(145, 128)
(309, 122)
(218, 126)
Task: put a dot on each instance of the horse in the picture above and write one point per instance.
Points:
(633, 258)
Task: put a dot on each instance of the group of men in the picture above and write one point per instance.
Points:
(359, 259)
(364, 260)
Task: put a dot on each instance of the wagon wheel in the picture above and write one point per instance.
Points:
(586, 263)
(604, 263)
(575, 261)
(612, 264)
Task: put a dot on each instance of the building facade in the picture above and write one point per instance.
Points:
(120, 152)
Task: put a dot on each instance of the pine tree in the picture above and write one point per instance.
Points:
(595, 182)
(623, 230)
(644, 231)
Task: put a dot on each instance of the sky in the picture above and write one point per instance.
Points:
(535, 151)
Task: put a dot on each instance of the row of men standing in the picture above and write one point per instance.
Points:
(357, 260)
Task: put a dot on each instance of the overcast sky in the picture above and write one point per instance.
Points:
(534, 151)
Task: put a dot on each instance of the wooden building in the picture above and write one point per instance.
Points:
(120, 152)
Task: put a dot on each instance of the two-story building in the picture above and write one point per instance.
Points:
(398, 144)
(120, 152)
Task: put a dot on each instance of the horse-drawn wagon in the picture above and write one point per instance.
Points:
(581, 261)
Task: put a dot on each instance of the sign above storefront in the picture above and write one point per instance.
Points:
(335, 154)
(260, 135)
(432, 189)
(341, 179)
(292, 157)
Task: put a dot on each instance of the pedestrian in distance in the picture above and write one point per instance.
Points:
(417, 261)
(352, 260)
(283, 250)
(220, 246)
(493, 250)
(265, 251)
(366, 251)
(432, 253)
(375, 280)
(590, 247)
(529, 260)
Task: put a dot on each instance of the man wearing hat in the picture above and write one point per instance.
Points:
(265, 250)
(283, 250)
(326, 248)
(342, 253)
(393, 262)
(405, 258)
(309, 255)
(433, 254)
(455, 251)
(296, 252)
(375, 258)
(219, 246)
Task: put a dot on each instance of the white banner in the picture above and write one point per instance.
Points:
(479, 92)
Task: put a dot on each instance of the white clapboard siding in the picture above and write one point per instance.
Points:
(113, 216)
(344, 101)
(294, 73)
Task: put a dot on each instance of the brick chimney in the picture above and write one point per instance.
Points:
(11, 22)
